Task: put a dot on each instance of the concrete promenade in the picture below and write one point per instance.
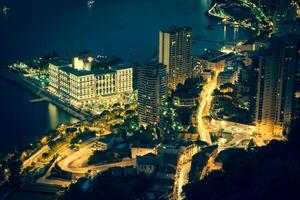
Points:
(7, 73)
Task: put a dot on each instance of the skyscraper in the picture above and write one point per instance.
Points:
(275, 88)
(284, 11)
(152, 92)
(175, 51)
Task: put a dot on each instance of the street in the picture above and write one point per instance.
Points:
(183, 178)
(205, 100)
(75, 162)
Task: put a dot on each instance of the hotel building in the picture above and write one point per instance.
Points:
(79, 85)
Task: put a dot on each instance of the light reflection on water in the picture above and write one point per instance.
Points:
(108, 27)
(126, 28)
(55, 118)
(22, 122)
(53, 115)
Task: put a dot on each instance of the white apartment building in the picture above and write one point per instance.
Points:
(123, 79)
(79, 85)
(229, 75)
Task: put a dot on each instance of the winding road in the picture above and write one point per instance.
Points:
(75, 162)
(205, 100)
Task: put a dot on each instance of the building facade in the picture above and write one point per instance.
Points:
(229, 75)
(284, 12)
(79, 85)
(275, 88)
(211, 60)
(124, 76)
(152, 92)
(175, 51)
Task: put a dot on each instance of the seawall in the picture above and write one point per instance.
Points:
(41, 92)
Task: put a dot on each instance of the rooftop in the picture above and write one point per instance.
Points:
(105, 71)
(220, 58)
(151, 145)
(213, 56)
(210, 54)
(60, 62)
(167, 169)
(71, 70)
(227, 72)
(148, 159)
(110, 138)
(175, 29)
(120, 66)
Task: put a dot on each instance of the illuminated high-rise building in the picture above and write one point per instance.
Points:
(79, 85)
(175, 51)
(152, 92)
(284, 11)
(275, 88)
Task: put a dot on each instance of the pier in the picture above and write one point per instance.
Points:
(38, 100)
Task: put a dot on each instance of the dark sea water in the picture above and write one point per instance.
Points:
(126, 28)
(21, 122)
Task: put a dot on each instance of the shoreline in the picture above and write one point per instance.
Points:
(10, 75)
(225, 19)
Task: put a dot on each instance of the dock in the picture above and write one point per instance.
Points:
(38, 100)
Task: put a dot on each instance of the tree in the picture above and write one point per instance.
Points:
(190, 89)
(270, 172)
(185, 115)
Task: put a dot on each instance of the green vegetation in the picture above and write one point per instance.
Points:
(175, 119)
(62, 136)
(83, 137)
(10, 168)
(169, 119)
(198, 163)
(109, 186)
(104, 118)
(11, 164)
(130, 132)
(129, 126)
(238, 11)
(109, 119)
(144, 136)
(185, 115)
(225, 105)
(190, 89)
(109, 156)
(270, 172)
(54, 147)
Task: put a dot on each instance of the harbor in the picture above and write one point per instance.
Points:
(42, 93)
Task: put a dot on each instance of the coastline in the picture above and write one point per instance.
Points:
(264, 25)
(8, 74)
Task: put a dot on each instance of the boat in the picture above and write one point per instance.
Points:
(90, 3)
(5, 10)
